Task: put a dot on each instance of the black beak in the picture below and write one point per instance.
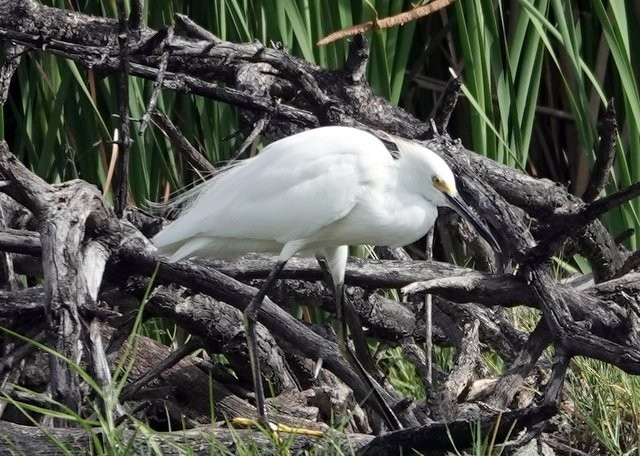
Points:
(461, 208)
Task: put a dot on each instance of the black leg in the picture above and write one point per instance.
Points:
(346, 312)
(350, 319)
(250, 319)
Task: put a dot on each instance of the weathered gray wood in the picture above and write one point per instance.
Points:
(460, 375)
(220, 326)
(602, 324)
(451, 436)
(72, 272)
(181, 144)
(189, 386)
(282, 325)
(510, 383)
(92, 42)
(19, 439)
(604, 316)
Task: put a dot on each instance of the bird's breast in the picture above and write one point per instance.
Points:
(379, 222)
(402, 225)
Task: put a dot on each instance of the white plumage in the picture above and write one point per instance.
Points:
(315, 192)
(321, 188)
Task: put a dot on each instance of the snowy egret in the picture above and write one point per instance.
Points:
(314, 193)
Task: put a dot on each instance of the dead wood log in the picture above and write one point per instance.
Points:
(92, 42)
(443, 436)
(603, 326)
(72, 263)
(282, 325)
(201, 441)
(220, 327)
(460, 375)
(189, 387)
(598, 309)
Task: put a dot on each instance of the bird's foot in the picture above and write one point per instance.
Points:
(275, 428)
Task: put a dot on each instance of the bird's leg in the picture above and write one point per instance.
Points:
(350, 322)
(333, 263)
(330, 263)
(347, 314)
(250, 319)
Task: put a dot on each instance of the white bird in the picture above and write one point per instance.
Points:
(314, 193)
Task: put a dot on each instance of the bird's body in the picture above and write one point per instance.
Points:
(316, 193)
(317, 190)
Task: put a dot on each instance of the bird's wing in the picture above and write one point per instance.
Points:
(279, 195)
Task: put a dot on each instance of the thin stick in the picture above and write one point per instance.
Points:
(122, 189)
(170, 361)
(112, 162)
(428, 314)
(391, 21)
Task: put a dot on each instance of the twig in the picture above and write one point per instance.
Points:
(563, 448)
(258, 127)
(7, 273)
(113, 162)
(398, 19)
(555, 385)
(611, 201)
(99, 362)
(462, 372)
(40, 400)
(356, 64)
(509, 383)
(182, 145)
(122, 189)
(598, 246)
(563, 226)
(20, 241)
(11, 358)
(120, 335)
(428, 314)
(132, 388)
(605, 154)
(188, 84)
(631, 263)
(167, 36)
(196, 30)
(416, 356)
(443, 109)
(328, 112)
(572, 337)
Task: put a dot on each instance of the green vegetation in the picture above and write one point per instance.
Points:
(537, 75)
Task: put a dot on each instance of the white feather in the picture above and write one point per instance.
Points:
(322, 188)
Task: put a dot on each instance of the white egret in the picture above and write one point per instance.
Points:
(315, 193)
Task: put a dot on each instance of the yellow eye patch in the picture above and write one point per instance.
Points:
(443, 186)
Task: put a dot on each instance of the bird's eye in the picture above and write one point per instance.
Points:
(436, 180)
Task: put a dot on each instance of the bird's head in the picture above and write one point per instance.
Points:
(443, 183)
(442, 191)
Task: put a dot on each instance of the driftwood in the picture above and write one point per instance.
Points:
(97, 267)
(195, 441)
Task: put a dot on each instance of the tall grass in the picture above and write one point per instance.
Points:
(537, 76)
(604, 408)
(64, 113)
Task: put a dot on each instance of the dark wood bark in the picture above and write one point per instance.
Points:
(79, 244)
(200, 441)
